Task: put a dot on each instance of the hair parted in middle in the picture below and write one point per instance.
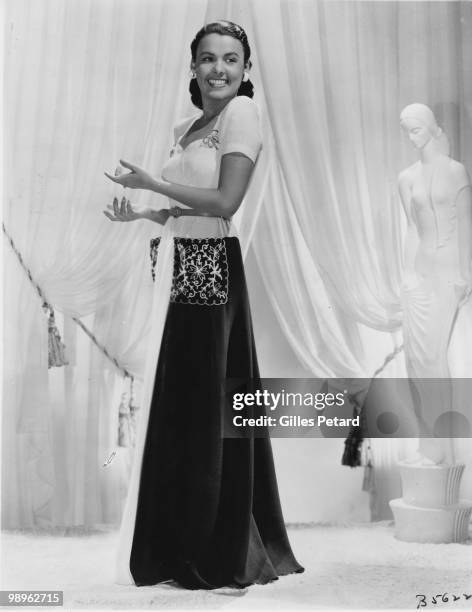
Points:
(225, 28)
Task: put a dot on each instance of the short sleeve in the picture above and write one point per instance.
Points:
(241, 128)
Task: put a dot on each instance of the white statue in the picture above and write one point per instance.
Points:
(436, 196)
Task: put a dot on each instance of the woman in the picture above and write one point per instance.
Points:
(436, 196)
(208, 513)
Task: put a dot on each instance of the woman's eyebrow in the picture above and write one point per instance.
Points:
(225, 55)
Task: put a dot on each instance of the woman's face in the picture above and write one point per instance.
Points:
(417, 132)
(219, 66)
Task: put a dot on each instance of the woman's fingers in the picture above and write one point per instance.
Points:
(116, 216)
(126, 164)
(121, 180)
(115, 179)
(112, 217)
(120, 211)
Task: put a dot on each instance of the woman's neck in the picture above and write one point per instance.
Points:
(211, 108)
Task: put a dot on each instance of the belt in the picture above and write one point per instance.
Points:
(175, 211)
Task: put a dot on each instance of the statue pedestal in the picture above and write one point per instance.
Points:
(430, 510)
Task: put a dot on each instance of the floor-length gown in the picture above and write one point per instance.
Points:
(430, 296)
(207, 509)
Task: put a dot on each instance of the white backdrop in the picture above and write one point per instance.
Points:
(89, 82)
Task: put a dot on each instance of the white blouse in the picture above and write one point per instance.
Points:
(235, 129)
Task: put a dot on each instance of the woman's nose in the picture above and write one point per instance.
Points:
(218, 66)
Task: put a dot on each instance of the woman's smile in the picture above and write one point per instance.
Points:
(217, 83)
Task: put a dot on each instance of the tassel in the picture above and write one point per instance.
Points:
(352, 447)
(56, 348)
(368, 480)
(354, 443)
(368, 483)
(133, 413)
(124, 421)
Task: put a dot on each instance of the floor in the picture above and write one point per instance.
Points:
(347, 567)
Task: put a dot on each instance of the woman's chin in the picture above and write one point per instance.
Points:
(220, 93)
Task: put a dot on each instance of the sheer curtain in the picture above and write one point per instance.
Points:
(334, 91)
(90, 82)
(335, 76)
(86, 84)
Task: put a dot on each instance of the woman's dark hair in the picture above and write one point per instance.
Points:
(225, 28)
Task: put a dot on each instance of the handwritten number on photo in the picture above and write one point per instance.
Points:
(441, 598)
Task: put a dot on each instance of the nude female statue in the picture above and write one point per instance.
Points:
(436, 195)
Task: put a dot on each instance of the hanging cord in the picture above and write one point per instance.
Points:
(56, 347)
(390, 357)
(357, 450)
(104, 350)
(127, 418)
(56, 357)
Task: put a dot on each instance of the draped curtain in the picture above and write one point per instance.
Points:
(86, 83)
(92, 81)
(335, 76)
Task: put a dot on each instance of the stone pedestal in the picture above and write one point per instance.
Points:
(430, 509)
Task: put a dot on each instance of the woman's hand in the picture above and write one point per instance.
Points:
(136, 179)
(125, 212)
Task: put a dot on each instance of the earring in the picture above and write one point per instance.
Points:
(246, 76)
(192, 74)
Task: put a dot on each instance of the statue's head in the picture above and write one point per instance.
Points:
(419, 123)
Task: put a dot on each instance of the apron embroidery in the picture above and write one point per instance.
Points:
(200, 275)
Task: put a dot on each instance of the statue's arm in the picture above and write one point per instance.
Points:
(410, 245)
(464, 225)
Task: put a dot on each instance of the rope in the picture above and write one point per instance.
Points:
(103, 349)
(388, 359)
(26, 269)
(46, 304)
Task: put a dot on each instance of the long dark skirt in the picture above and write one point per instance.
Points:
(208, 512)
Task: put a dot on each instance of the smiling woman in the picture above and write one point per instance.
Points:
(219, 78)
(203, 509)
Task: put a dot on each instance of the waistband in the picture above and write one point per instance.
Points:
(175, 211)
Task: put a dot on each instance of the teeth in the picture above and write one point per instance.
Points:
(217, 82)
